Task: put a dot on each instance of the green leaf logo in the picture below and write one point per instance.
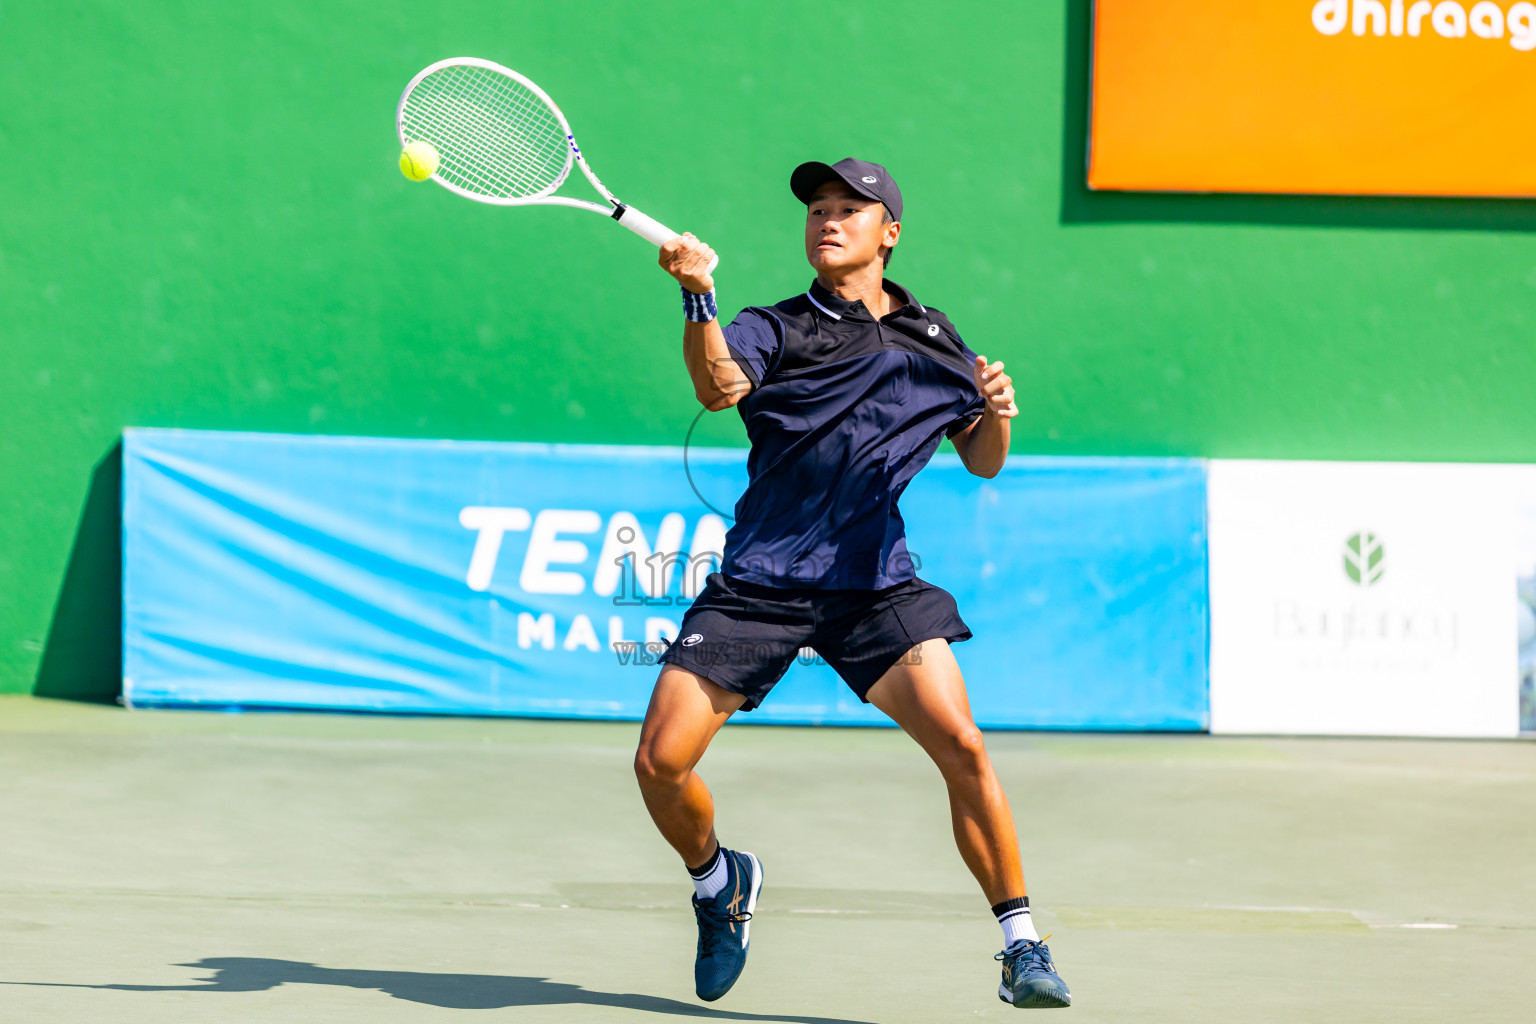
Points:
(1364, 558)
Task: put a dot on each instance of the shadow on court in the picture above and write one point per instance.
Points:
(450, 991)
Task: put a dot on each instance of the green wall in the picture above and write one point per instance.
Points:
(203, 227)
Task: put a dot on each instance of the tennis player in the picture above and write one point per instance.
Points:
(846, 391)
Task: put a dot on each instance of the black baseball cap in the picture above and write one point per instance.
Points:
(869, 180)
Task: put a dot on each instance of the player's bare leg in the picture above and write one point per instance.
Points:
(686, 712)
(924, 693)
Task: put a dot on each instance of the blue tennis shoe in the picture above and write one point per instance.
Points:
(1030, 978)
(723, 923)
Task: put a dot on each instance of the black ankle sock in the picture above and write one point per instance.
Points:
(1008, 906)
(1016, 922)
(709, 865)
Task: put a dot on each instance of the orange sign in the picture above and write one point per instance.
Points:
(1357, 97)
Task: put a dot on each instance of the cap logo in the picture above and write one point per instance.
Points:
(933, 330)
(869, 179)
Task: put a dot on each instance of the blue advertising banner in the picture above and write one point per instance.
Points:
(530, 579)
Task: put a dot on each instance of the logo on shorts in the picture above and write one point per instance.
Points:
(869, 179)
(692, 638)
(933, 330)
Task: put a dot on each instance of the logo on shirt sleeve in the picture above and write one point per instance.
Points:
(933, 330)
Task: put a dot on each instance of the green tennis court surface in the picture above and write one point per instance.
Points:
(205, 867)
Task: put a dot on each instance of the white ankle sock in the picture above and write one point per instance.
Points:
(1016, 921)
(709, 884)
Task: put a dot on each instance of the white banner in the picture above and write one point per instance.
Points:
(1370, 598)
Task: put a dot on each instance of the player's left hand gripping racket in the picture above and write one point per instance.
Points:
(500, 139)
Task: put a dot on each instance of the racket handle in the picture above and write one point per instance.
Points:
(652, 230)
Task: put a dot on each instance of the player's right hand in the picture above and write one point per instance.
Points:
(688, 259)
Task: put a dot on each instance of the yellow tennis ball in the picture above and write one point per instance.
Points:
(419, 160)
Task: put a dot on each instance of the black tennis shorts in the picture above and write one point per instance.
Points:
(743, 636)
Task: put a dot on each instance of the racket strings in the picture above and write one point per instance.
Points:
(488, 146)
(495, 137)
(488, 149)
(512, 145)
(529, 120)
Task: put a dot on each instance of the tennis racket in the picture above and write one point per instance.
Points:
(500, 139)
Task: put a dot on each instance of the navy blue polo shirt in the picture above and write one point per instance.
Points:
(843, 412)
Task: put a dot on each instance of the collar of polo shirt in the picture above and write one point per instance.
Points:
(836, 308)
